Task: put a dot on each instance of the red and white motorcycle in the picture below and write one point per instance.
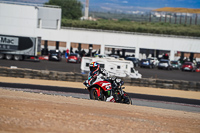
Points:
(110, 90)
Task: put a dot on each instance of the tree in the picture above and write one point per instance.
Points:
(71, 9)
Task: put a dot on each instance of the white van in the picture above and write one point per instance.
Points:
(115, 67)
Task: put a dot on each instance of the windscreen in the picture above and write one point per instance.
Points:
(187, 63)
(163, 61)
(174, 62)
(73, 54)
(132, 70)
(53, 53)
(144, 60)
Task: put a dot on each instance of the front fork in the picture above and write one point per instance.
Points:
(101, 95)
(119, 94)
(98, 90)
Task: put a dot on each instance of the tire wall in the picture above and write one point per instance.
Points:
(77, 77)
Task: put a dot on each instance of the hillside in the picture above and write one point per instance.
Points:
(179, 10)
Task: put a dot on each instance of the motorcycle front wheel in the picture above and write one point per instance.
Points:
(94, 95)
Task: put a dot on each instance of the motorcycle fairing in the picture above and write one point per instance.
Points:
(105, 85)
(98, 92)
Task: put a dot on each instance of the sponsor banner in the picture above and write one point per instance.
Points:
(8, 43)
(9, 40)
(8, 47)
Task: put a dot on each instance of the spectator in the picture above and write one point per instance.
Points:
(67, 53)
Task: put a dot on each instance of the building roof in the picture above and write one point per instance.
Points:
(178, 10)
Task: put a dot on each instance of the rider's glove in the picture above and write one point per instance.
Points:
(86, 83)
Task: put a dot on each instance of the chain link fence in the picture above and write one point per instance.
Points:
(154, 17)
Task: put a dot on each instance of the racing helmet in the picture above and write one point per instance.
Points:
(94, 67)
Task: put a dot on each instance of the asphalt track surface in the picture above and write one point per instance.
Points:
(63, 66)
(173, 103)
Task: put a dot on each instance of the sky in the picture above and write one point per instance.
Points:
(130, 5)
(140, 5)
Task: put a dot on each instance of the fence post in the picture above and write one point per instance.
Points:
(180, 18)
(196, 20)
(160, 16)
(150, 17)
(175, 18)
(186, 18)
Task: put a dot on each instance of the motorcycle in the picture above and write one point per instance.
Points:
(109, 90)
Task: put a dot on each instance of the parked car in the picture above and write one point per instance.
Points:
(134, 60)
(154, 60)
(115, 56)
(198, 64)
(74, 57)
(176, 64)
(146, 63)
(164, 64)
(55, 55)
(188, 66)
(102, 55)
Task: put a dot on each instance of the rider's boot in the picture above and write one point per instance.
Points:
(126, 100)
(110, 99)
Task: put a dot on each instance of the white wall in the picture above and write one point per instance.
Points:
(126, 40)
(18, 19)
(49, 17)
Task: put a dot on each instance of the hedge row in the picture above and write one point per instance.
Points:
(141, 27)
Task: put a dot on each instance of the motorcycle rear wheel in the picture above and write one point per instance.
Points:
(129, 101)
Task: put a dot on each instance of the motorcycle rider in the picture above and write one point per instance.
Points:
(99, 74)
(96, 73)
